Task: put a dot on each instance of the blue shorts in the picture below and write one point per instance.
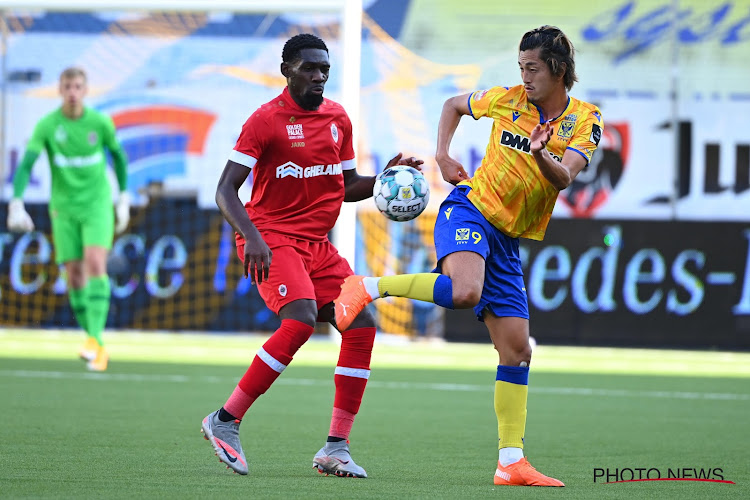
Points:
(467, 230)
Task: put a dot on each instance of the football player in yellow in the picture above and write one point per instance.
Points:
(541, 139)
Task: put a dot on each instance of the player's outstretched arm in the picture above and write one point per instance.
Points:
(453, 109)
(257, 258)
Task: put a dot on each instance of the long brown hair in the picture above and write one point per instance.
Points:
(556, 50)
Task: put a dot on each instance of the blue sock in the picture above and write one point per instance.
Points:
(442, 294)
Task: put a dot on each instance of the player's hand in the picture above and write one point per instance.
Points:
(410, 162)
(540, 136)
(19, 219)
(257, 258)
(451, 169)
(122, 212)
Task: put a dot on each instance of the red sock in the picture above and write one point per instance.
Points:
(352, 372)
(271, 360)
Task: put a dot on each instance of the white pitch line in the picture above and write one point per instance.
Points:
(574, 391)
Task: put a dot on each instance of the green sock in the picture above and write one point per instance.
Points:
(78, 299)
(98, 306)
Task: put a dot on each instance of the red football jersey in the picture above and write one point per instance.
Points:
(296, 156)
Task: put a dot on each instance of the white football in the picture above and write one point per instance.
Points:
(401, 193)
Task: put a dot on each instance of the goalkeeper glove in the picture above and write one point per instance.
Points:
(122, 212)
(19, 219)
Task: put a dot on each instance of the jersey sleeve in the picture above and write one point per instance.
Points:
(109, 133)
(38, 136)
(252, 141)
(119, 158)
(481, 102)
(587, 134)
(33, 148)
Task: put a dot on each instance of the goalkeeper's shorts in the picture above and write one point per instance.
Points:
(72, 232)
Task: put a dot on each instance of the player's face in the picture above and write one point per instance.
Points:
(307, 77)
(72, 91)
(538, 80)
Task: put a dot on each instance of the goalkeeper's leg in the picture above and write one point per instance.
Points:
(97, 233)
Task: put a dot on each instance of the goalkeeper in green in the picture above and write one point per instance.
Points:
(80, 207)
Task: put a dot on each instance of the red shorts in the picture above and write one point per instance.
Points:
(301, 270)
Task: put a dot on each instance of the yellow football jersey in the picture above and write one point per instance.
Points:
(508, 187)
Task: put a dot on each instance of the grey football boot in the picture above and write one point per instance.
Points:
(334, 458)
(225, 438)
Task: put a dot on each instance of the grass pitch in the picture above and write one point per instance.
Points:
(426, 428)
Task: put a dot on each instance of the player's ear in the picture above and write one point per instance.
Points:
(285, 70)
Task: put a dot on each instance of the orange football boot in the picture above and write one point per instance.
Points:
(99, 364)
(522, 473)
(350, 302)
(87, 352)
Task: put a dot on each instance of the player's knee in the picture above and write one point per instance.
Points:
(76, 279)
(303, 311)
(364, 319)
(524, 355)
(519, 355)
(466, 297)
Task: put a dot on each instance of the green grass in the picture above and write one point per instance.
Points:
(426, 428)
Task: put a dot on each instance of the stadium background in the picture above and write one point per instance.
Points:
(650, 246)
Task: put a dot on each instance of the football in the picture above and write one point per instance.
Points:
(401, 193)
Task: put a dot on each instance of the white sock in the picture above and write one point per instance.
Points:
(371, 286)
(510, 456)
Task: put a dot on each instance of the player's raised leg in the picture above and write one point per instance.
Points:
(459, 289)
(358, 291)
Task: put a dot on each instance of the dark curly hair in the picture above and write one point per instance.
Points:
(557, 50)
(294, 45)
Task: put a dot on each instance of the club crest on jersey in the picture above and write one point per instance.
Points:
(60, 134)
(462, 234)
(334, 132)
(282, 290)
(93, 138)
(516, 114)
(565, 130)
(295, 131)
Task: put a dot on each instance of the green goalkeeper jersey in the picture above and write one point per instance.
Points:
(75, 149)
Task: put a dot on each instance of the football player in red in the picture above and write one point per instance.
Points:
(299, 148)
